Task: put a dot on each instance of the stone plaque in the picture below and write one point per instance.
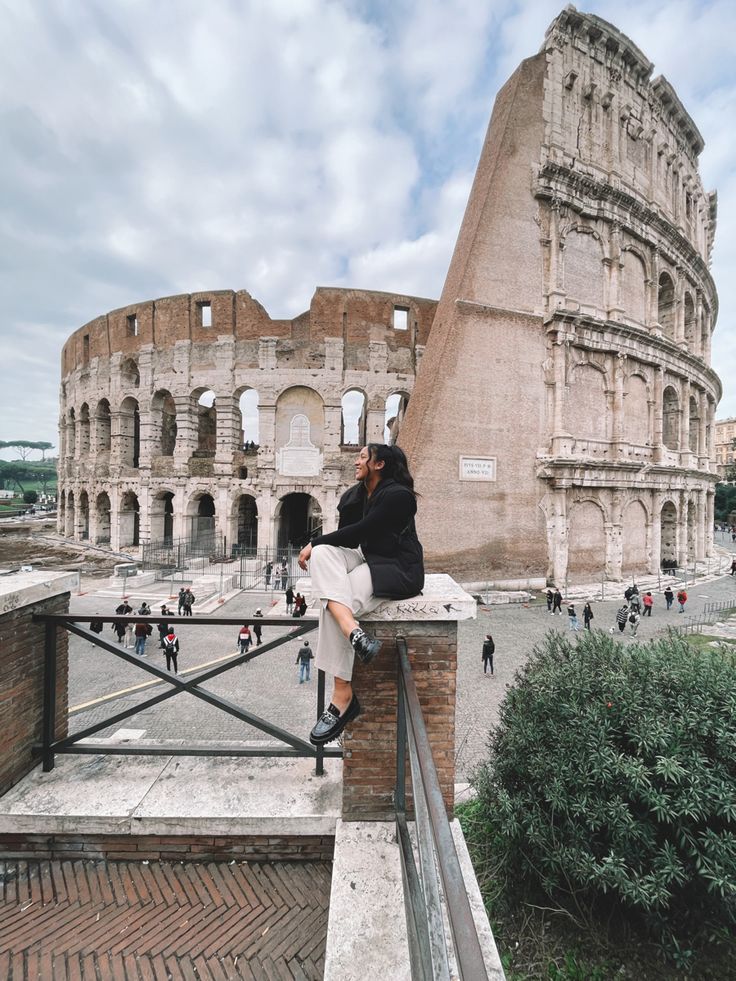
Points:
(478, 468)
(300, 457)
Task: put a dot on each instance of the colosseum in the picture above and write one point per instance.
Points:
(562, 423)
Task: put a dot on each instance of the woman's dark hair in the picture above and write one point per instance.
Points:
(394, 461)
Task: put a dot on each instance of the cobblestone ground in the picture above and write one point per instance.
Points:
(269, 686)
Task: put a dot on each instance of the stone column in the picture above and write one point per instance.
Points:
(654, 291)
(709, 521)
(700, 522)
(619, 365)
(658, 412)
(267, 435)
(22, 595)
(681, 530)
(703, 461)
(615, 309)
(228, 419)
(559, 355)
(655, 551)
(429, 624)
(186, 429)
(684, 422)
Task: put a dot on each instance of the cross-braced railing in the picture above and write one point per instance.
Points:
(292, 745)
(438, 874)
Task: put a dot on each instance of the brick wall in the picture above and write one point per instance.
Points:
(21, 686)
(171, 848)
(369, 766)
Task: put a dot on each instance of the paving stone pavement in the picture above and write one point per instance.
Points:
(269, 686)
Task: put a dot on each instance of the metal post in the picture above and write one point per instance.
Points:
(319, 769)
(400, 791)
(49, 695)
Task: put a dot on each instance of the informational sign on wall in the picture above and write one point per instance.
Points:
(478, 468)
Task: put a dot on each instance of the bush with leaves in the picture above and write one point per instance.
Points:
(612, 774)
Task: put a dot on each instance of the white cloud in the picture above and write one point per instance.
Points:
(275, 146)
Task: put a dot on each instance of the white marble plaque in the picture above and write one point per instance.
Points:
(478, 468)
(300, 457)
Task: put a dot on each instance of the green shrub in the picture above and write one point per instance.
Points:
(612, 774)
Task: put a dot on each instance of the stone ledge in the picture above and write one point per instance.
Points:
(442, 599)
(19, 589)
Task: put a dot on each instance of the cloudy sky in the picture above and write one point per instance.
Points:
(151, 147)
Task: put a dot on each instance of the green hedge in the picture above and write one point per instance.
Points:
(613, 773)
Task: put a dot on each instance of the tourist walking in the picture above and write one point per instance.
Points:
(142, 632)
(634, 619)
(557, 602)
(189, 600)
(303, 658)
(572, 617)
(682, 599)
(257, 628)
(244, 638)
(163, 628)
(171, 650)
(549, 601)
(284, 575)
(587, 615)
(733, 567)
(648, 604)
(374, 554)
(635, 602)
(622, 617)
(269, 570)
(144, 610)
(180, 604)
(120, 627)
(669, 597)
(489, 649)
(289, 599)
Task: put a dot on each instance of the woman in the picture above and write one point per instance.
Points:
(587, 615)
(373, 555)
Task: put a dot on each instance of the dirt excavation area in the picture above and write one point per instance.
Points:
(35, 542)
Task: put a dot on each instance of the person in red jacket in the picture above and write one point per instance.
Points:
(681, 599)
(648, 602)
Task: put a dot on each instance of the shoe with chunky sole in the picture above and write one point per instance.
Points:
(364, 646)
(331, 723)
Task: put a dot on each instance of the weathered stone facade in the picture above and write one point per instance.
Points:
(725, 446)
(142, 458)
(566, 391)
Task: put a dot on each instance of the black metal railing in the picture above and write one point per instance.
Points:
(291, 745)
(438, 874)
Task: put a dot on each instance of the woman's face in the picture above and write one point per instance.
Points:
(365, 466)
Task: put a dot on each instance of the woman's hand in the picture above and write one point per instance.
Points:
(304, 556)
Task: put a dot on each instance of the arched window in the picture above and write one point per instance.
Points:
(162, 518)
(249, 422)
(694, 425)
(670, 419)
(206, 423)
(103, 429)
(690, 325)
(129, 374)
(163, 416)
(103, 519)
(129, 520)
(396, 405)
(130, 433)
(666, 305)
(352, 427)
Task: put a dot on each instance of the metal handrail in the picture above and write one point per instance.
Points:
(292, 745)
(423, 904)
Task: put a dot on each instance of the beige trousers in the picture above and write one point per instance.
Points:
(339, 574)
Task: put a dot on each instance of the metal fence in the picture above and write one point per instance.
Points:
(438, 875)
(710, 615)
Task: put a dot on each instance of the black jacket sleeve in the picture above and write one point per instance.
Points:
(389, 512)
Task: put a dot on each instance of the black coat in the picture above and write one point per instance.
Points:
(383, 526)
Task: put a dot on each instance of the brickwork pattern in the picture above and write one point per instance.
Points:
(21, 686)
(369, 766)
(129, 921)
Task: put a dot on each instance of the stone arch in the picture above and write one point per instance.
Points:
(691, 332)
(704, 328)
(299, 432)
(61, 516)
(668, 535)
(103, 427)
(354, 404)
(250, 424)
(130, 376)
(84, 515)
(585, 409)
(298, 517)
(634, 538)
(102, 513)
(84, 430)
(245, 521)
(396, 406)
(163, 420)
(636, 409)
(666, 305)
(206, 408)
(162, 517)
(71, 434)
(201, 517)
(583, 268)
(586, 540)
(671, 418)
(692, 524)
(130, 433)
(634, 285)
(69, 515)
(129, 520)
(694, 427)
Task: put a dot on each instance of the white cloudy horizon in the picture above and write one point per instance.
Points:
(276, 146)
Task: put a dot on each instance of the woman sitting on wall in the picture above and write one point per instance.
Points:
(374, 554)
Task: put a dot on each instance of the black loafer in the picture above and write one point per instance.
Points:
(365, 647)
(331, 723)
